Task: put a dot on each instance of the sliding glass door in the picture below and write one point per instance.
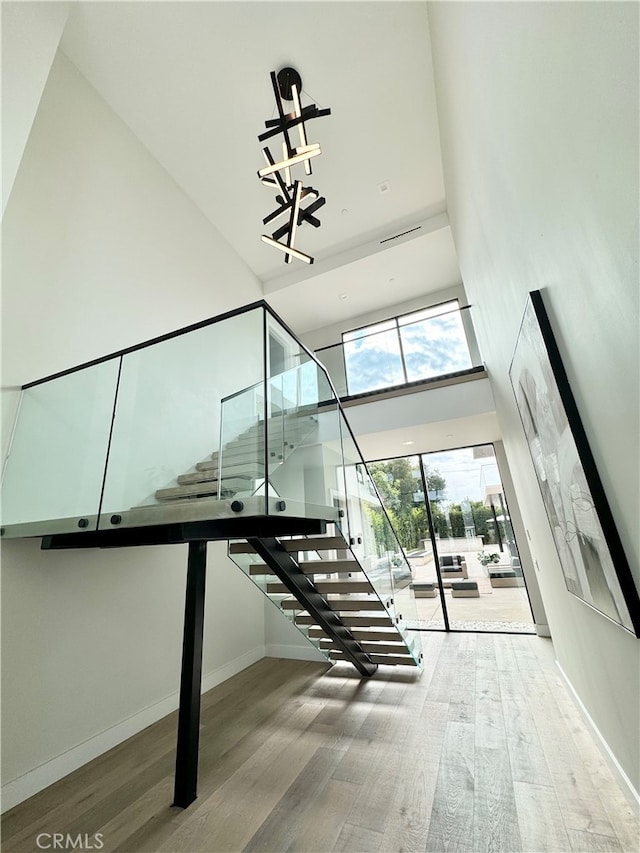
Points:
(399, 483)
(451, 516)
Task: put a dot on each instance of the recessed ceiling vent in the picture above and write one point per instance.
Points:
(401, 234)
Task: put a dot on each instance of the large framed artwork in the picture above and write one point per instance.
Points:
(591, 553)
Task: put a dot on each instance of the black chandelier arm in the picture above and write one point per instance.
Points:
(277, 126)
(284, 129)
(293, 218)
(306, 113)
(316, 205)
(277, 212)
(277, 176)
(303, 216)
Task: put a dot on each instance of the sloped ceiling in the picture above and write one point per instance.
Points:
(191, 80)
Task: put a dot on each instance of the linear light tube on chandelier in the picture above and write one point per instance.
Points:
(288, 250)
(313, 151)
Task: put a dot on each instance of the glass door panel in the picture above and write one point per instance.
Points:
(474, 568)
(399, 483)
(479, 564)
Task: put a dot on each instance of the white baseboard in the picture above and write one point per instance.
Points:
(543, 631)
(284, 650)
(25, 786)
(625, 783)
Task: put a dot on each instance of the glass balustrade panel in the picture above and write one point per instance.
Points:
(54, 471)
(371, 538)
(375, 543)
(333, 359)
(164, 462)
(304, 432)
(242, 457)
(283, 601)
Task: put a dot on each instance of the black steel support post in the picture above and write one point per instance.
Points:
(186, 781)
(434, 544)
(495, 521)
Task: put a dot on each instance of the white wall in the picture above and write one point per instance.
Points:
(109, 245)
(283, 639)
(102, 250)
(30, 36)
(448, 402)
(522, 540)
(327, 335)
(538, 106)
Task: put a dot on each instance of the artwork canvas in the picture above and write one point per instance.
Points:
(591, 553)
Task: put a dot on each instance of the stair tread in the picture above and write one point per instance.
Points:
(328, 587)
(312, 543)
(389, 660)
(212, 474)
(398, 648)
(311, 569)
(239, 459)
(390, 635)
(209, 487)
(367, 621)
(325, 566)
(339, 604)
(276, 421)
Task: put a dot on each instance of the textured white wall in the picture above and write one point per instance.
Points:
(102, 250)
(538, 106)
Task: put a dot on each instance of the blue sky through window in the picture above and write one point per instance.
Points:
(418, 346)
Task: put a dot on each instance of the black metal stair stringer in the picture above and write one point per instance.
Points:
(285, 567)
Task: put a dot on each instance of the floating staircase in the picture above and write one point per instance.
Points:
(239, 468)
(285, 487)
(333, 602)
(339, 580)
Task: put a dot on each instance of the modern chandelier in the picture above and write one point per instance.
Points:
(287, 86)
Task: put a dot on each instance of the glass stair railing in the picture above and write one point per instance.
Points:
(339, 577)
(177, 440)
(360, 570)
(228, 430)
(327, 550)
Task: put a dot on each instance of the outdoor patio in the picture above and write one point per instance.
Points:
(504, 608)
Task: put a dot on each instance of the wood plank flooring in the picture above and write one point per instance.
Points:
(485, 752)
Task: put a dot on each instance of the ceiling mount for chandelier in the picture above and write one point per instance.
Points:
(277, 174)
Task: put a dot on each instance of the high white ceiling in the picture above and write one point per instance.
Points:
(191, 80)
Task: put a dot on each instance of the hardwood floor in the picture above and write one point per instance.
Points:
(485, 752)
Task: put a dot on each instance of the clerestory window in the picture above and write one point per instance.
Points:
(416, 346)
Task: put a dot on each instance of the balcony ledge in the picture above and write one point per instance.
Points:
(457, 378)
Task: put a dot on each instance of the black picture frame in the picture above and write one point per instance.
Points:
(591, 554)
